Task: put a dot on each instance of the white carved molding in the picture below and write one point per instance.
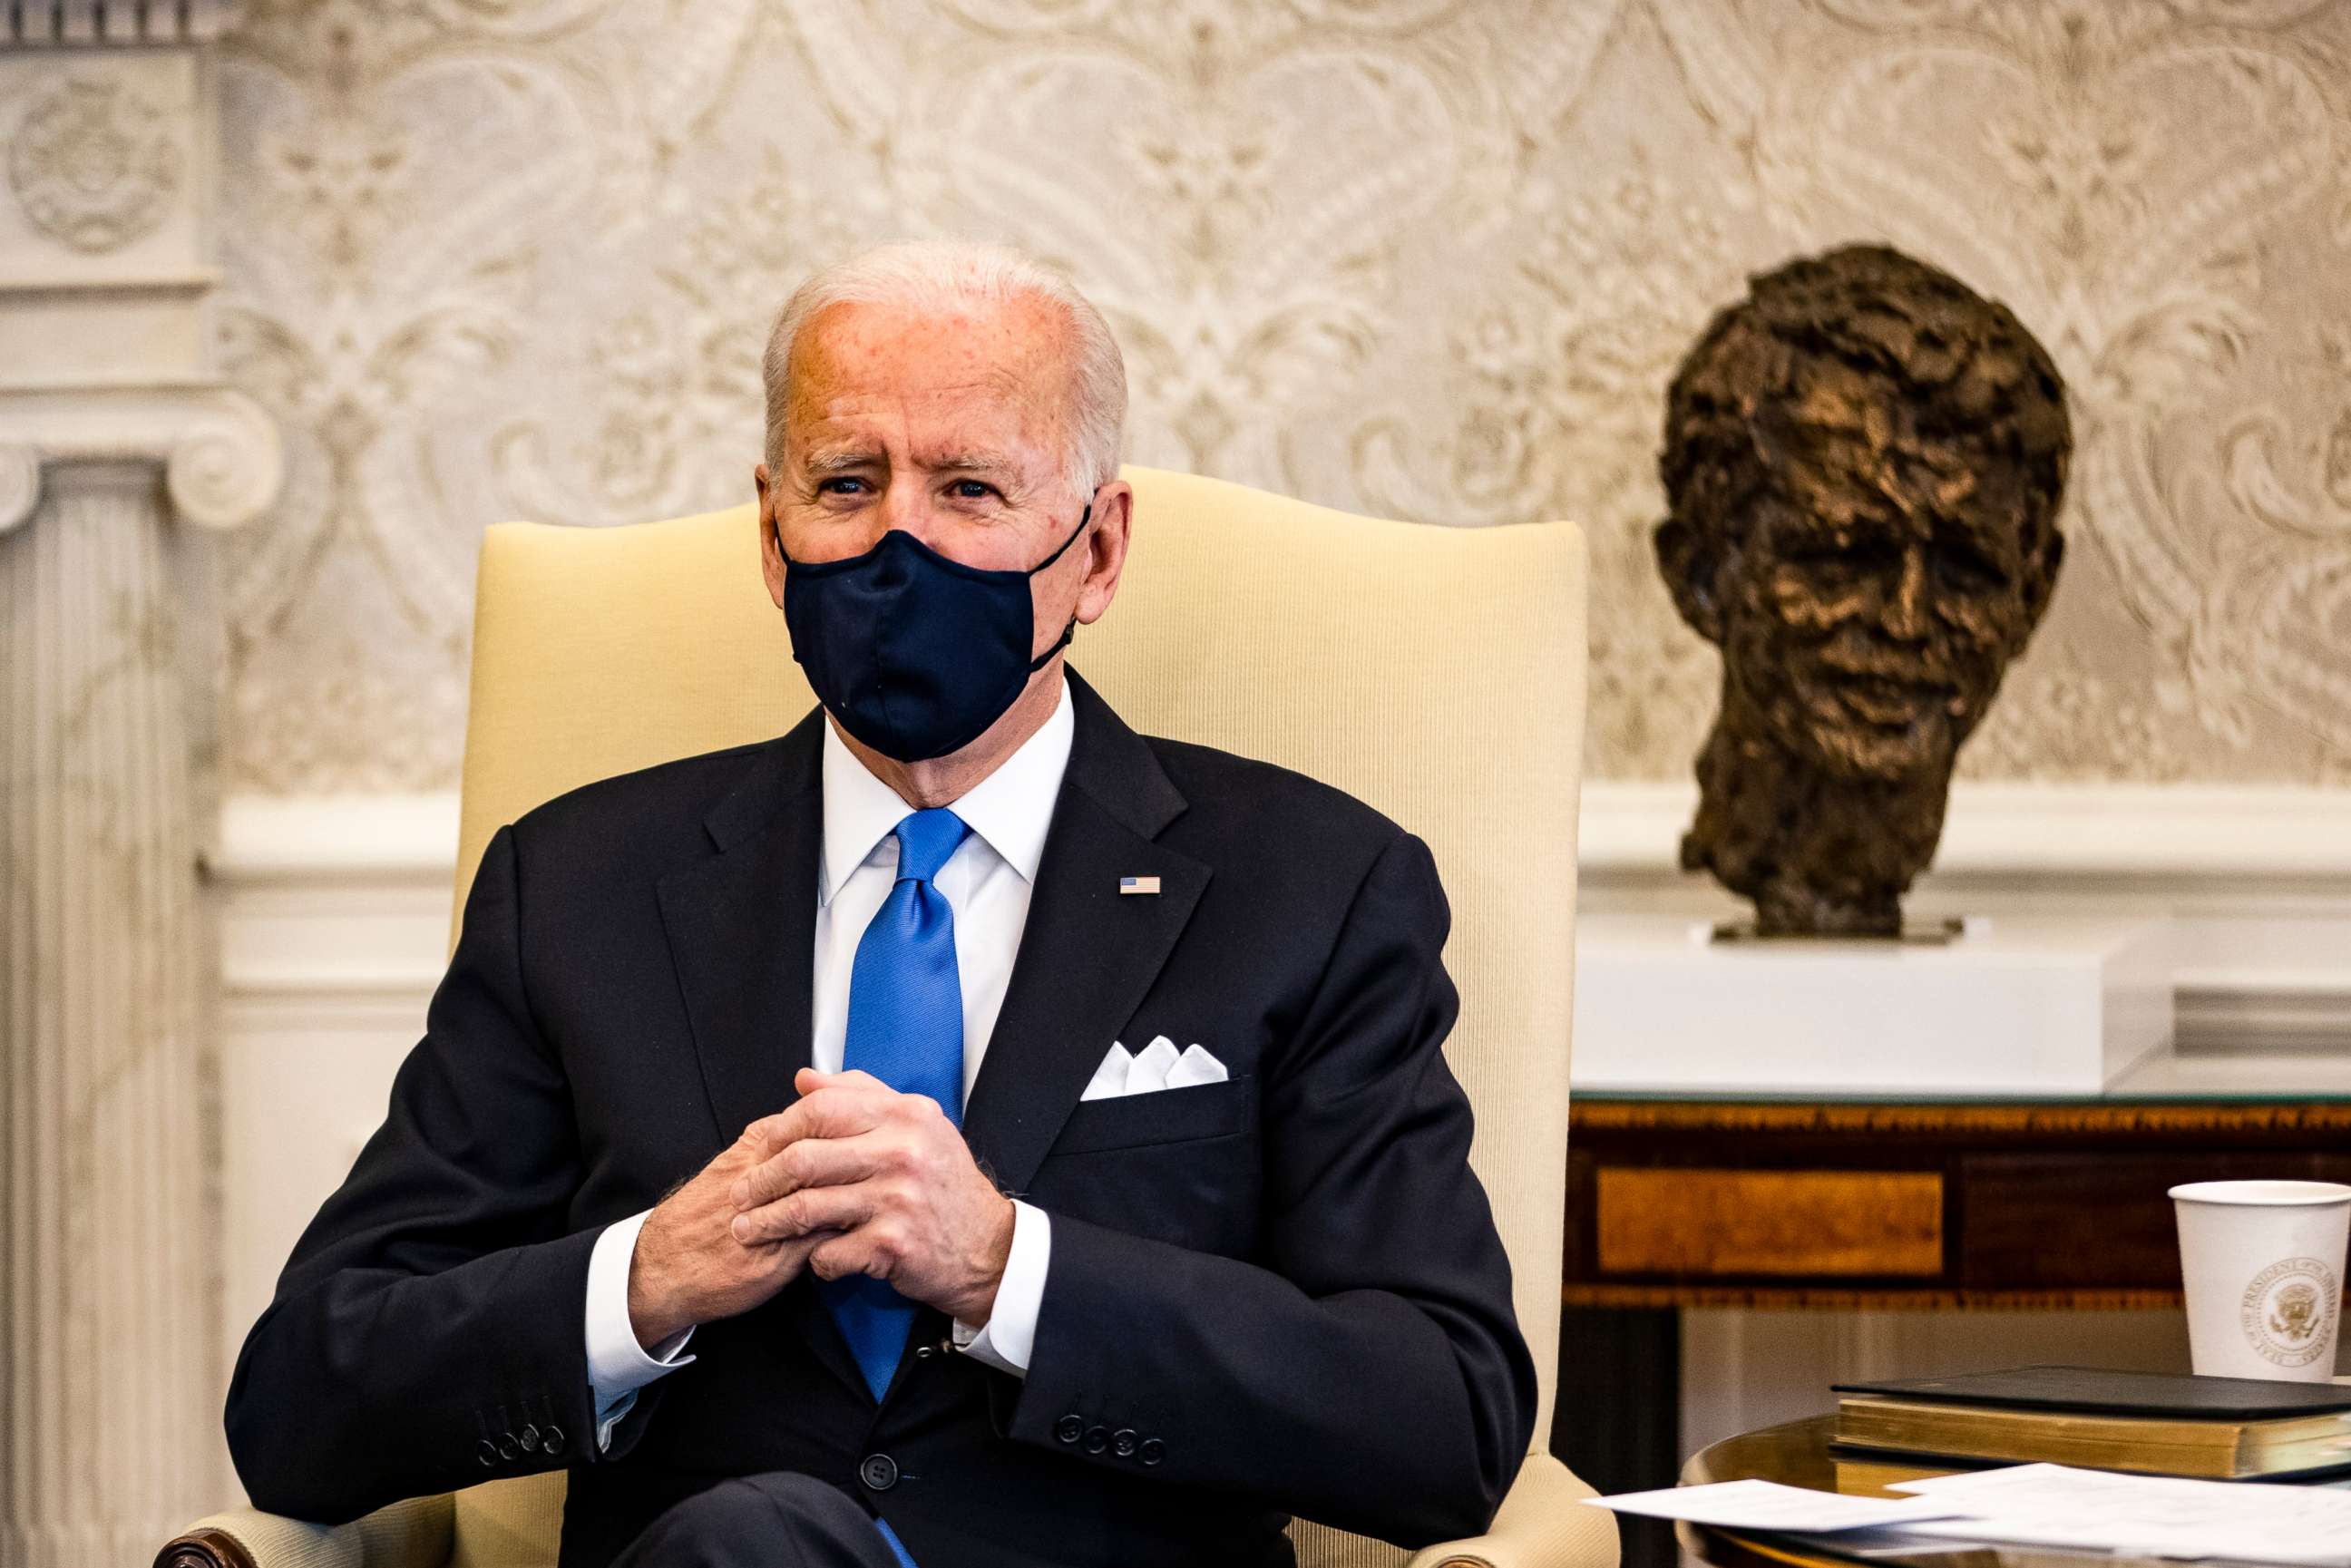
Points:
(20, 484)
(2213, 842)
(94, 164)
(221, 460)
(2200, 836)
(119, 22)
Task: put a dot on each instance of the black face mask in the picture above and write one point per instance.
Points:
(914, 653)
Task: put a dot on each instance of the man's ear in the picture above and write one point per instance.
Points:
(771, 553)
(1690, 569)
(1105, 547)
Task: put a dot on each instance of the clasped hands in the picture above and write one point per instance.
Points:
(853, 1177)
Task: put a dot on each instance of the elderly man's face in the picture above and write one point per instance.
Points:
(1880, 599)
(953, 426)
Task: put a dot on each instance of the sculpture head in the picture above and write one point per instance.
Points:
(1862, 462)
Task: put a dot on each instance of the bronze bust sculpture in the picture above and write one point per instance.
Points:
(1862, 466)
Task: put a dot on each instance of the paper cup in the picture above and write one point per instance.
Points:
(2262, 1264)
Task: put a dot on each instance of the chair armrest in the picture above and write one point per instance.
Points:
(411, 1534)
(1543, 1523)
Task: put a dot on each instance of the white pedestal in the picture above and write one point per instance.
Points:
(2044, 1006)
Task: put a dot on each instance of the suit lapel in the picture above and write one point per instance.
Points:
(1088, 953)
(742, 932)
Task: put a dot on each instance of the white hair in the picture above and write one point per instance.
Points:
(951, 273)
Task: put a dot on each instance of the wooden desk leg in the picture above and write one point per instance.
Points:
(1618, 1421)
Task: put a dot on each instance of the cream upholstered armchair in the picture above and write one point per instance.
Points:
(1435, 673)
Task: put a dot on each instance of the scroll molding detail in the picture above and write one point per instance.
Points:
(222, 460)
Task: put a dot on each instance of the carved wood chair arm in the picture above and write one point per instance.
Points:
(1543, 1523)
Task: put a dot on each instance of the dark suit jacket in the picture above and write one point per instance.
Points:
(1279, 1294)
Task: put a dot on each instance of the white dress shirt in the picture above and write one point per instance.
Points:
(987, 881)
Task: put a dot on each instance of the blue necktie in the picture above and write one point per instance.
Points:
(905, 1028)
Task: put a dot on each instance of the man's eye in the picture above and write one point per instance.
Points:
(971, 490)
(842, 484)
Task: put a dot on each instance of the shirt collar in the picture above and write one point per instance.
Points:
(1011, 808)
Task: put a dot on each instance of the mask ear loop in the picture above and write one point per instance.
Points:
(1069, 632)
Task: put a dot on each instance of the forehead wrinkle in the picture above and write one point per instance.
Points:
(1017, 348)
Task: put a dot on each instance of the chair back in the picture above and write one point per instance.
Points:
(1435, 673)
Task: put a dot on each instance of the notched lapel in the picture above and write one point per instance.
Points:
(742, 933)
(1088, 953)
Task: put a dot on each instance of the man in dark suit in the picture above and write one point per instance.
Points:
(960, 1131)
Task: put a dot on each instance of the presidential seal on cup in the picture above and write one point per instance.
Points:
(2261, 1263)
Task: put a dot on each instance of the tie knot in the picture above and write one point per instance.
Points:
(926, 840)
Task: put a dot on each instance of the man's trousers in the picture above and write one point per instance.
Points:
(780, 1519)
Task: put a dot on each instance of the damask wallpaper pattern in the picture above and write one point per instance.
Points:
(1427, 259)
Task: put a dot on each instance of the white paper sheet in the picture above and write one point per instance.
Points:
(2154, 1516)
(1767, 1505)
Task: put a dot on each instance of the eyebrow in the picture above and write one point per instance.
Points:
(840, 461)
(843, 459)
(973, 462)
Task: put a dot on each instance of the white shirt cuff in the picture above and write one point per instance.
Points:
(1008, 1336)
(617, 1365)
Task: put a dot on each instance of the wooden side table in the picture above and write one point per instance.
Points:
(1878, 1203)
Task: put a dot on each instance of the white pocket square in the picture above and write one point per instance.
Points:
(1157, 1066)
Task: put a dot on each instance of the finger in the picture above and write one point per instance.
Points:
(851, 1103)
(807, 1210)
(808, 1080)
(808, 1162)
(865, 1251)
(772, 1130)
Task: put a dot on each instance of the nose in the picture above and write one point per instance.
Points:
(903, 508)
(1903, 612)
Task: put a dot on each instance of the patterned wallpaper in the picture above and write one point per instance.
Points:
(1428, 259)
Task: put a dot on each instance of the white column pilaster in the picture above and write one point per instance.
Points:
(117, 447)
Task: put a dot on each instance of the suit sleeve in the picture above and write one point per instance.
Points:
(1365, 1370)
(427, 1332)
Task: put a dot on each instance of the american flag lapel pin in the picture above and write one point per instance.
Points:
(1127, 884)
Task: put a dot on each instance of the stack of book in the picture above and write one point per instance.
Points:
(2221, 1429)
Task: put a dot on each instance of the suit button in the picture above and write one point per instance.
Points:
(529, 1438)
(486, 1451)
(1122, 1442)
(507, 1447)
(1153, 1450)
(878, 1471)
(1097, 1440)
(1070, 1429)
(550, 1440)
